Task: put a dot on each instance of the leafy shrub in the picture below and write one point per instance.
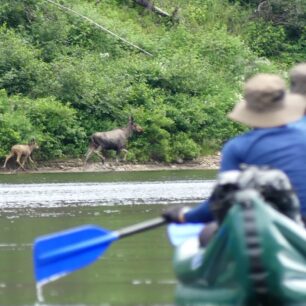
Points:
(51, 123)
(20, 67)
(185, 148)
(17, 13)
(266, 39)
(14, 126)
(58, 128)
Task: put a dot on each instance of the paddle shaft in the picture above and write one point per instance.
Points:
(140, 227)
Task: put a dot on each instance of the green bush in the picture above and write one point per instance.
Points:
(59, 131)
(52, 124)
(266, 39)
(17, 13)
(184, 148)
(15, 127)
(21, 70)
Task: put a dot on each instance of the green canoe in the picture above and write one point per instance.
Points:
(257, 257)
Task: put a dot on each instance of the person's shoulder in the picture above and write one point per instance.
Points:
(295, 128)
(300, 124)
(245, 136)
(291, 133)
(237, 140)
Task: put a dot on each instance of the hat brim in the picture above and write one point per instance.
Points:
(293, 109)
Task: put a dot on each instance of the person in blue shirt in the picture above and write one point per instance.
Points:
(268, 109)
(297, 76)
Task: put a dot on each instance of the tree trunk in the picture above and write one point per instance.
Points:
(150, 6)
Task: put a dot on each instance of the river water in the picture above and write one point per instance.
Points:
(136, 270)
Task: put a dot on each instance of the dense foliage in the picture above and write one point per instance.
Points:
(62, 77)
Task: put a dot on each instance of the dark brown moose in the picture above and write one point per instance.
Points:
(112, 140)
(22, 150)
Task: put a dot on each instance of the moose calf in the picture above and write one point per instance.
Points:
(112, 140)
(22, 150)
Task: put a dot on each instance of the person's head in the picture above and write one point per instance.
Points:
(298, 79)
(267, 104)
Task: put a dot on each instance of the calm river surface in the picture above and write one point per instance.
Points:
(136, 270)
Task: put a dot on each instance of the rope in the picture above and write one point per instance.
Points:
(99, 26)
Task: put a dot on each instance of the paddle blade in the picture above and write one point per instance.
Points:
(61, 253)
(178, 233)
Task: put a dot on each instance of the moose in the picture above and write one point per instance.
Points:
(22, 150)
(112, 140)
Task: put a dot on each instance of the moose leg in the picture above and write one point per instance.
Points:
(18, 162)
(24, 161)
(125, 152)
(32, 162)
(88, 154)
(7, 158)
(92, 150)
(118, 152)
(98, 152)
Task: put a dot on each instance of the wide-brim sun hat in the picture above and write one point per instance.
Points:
(267, 104)
(298, 79)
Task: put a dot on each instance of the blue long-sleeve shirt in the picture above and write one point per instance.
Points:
(282, 147)
(300, 124)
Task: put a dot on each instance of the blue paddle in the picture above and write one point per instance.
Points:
(59, 254)
(178, 233)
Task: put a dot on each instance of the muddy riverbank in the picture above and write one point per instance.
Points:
(76, 165)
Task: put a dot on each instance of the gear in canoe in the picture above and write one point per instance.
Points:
(257, 255)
